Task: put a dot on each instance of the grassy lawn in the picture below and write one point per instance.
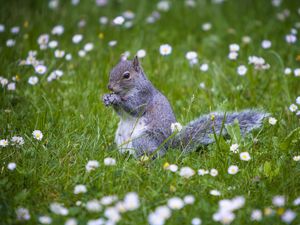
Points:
(78, 128)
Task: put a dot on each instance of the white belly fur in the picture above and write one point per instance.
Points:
(129, 128)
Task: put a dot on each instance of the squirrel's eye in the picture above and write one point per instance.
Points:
(126, 75)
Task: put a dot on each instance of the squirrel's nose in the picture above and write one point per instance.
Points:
(109, 87)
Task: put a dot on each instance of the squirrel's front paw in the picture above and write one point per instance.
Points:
(110, 99)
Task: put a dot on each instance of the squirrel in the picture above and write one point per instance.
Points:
(146, 116)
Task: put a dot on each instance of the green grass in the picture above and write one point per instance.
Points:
(77, 127)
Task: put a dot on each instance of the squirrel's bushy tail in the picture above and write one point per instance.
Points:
(199, 132)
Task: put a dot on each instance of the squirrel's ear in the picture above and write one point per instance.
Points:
(123, 58)
(136, 64)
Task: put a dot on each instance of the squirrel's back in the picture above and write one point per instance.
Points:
(160, 115)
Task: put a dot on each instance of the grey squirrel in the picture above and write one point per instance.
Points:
(146, 116)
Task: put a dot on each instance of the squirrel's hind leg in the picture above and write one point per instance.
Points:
(147, 145)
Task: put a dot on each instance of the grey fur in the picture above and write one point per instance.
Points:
(137, 98)
(199, 132)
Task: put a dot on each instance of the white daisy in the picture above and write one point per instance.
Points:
(45, 220)
(258, 62)
(15, 30)
(163, 6)
(131, 201)
(55, 75)
(112, 214)
(288, 216)
(128, 15)
(291, 38)
(297, 72)
(16, 140)
(53, 44)
(154, 219)
(109, 161)
(202, 172)
(296, 158)
(3, 143)
(173, 167)
(43, 39)
(165, 49)
(224, 216)
(196, 221)
(256, 215)
(246, 39)
(11, 166)
(37, 134)
(78, 203)
(233, 169)
(278, 200)
(75, 2)
(176, 127)
(120, 206)
(186, 172)
(276, 3)
(233, 55)
(119, 20)
(81, 53)
(112, 43)
(3, 81)
(234, 148)
(206, 26)
(204, 67)
(128, 24)
(40, 69)
(88, 47)
(272, 120)
(11, 86)
(53, 4)
(10, 43)
(108, 200)
(22, 214)
(71, 221)
(163, 212)
(234, 47)
(91, 165)
(191, 55)
(59, 53)
(214, 172)
(287, 71)
(99, 221)
(175, 203)
(93, 206)
(58, 30)
(293, 108)
(266, 44)
(215, 192)
(189, 199)
(103, 20)
(33, 80)
(298, 100)
(242, 70)
(80, 188)
(2, 28)
(245, 156)
(296, 202)
(68, 57)
(294, 31)
(141, 53)
(77, 38)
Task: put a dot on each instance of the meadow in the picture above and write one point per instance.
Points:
(58, 160)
